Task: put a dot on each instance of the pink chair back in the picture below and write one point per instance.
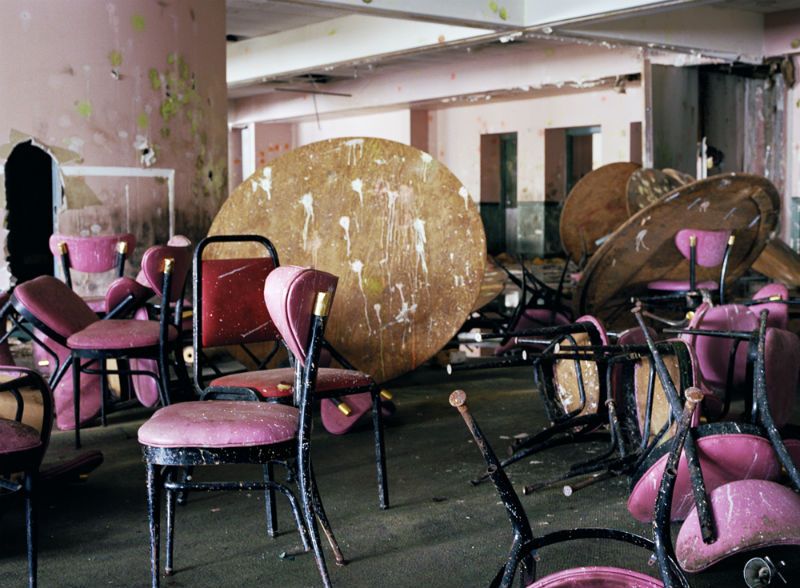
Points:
(710, 245)
(713, 353)
(92, 254)
(290, 293)
(778, 312)
(597, 577)
(153, 267)
(53, 303)
(782, 362)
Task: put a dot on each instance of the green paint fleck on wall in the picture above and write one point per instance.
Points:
(155, 79)
(169, 108)
(504, 13)
(493, 6)
(137, 22)
(172, 58)
(143, 121)
(165, 132)
(331, 32)
(115, 58)
(84, 108)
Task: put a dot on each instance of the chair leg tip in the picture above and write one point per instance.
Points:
(167, 571)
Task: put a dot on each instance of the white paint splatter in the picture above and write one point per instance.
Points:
(694, 203)
(640, 240)
(308, 204)
(704, 206)
(355, 149)
(426, 162)
(358, 267)
(754, 222)
(266, 182)
(358, 188)
(462, 191)
(344, 222)
(419, 229)
(730, 213)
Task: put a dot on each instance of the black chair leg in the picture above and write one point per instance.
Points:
(170, 507)
(324, 523)
(269, 500)
(305, 486)
(31, 528)
(380, 450)
(104, 393)
(76, 396)
(154, 518)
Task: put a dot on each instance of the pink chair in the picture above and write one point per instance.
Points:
(346, 394)
(213, 432)
(22, 449)
(51, 307)
(94, 254)
(769, 298)
(703, 248)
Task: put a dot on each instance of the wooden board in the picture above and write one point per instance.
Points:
(779, 262)
(646, 187)
(396, 226)
(643, 249)
(594, 208)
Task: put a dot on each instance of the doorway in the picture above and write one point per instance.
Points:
(29, 177)
(499, 191)
(569, 154)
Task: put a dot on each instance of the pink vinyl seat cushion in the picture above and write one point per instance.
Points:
(338, 423)
(749, 514)
(16, 437)
(119, 334)
(220, 423)
(278, 383)
(597, 577)
(52, 302)
(724, 458)
(681, 285)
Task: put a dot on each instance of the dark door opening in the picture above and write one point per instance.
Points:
(499, 191)
(29, 198)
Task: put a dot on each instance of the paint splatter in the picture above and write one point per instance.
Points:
(143, 121)
(266, 182)
(358, 188)
(155, 79)
(426, 162)
(704, 206)
(344, 222)
(308, 205)
(137, 22)
(84, 108)
(358, 267)
(640, 240)
(355, 149)
(462, 191)
(419, 230)
(115, 58)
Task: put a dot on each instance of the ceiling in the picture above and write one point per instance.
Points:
(256, 18)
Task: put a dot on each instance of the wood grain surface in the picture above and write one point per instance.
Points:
(648, 186)
(643, 249)
(594, 208)
(397, 227)
(779, 262)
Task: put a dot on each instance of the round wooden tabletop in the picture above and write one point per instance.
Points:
(493, 283)
(779, 262)
(594, 208)
(642, 250)
(647, 186)
(396, 226)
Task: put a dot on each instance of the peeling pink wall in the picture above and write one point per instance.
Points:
(104, 78)
(273, 140)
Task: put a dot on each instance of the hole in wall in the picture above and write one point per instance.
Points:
(29, 201)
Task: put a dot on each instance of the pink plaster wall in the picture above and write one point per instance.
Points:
(273, 140)
(103, 77)
(392, 124)
(455, 132)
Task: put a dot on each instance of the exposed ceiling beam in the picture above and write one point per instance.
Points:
(342, 40)
(492, 14)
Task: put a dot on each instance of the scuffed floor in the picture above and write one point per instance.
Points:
(440, 530)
